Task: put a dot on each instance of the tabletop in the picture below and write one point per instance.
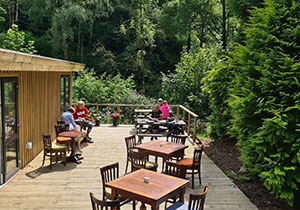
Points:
(159, 122)
(71, 134)
(162, 147)
(146, 111)
(159, 185)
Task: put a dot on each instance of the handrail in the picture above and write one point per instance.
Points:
(178, 107)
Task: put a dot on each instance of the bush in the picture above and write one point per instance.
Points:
(217, 84)
(108, 89)
(265, 99)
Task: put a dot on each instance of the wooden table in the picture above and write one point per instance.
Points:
(160, 188)
(163, 149)
(72, 135)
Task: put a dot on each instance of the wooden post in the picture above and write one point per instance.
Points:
(118, 110)
(183, 115)
(189, 123)
(97, 109)
(195, 129)
(177, 112)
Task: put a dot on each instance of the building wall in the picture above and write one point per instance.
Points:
(39, 109)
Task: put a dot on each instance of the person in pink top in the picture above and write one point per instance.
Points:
(165, 110)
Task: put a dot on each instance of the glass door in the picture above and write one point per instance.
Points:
(9, 122)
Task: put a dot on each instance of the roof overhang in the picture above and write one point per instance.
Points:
(16, 61)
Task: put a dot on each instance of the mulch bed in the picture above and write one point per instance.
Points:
(225, 155)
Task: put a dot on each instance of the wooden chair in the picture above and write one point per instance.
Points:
(141, 160)
(193, 164)
(174, 169)
(53, 150)
(62, 140)
(107, 205)
(60, 123)
(109, 173)
(130, 143)
(196, 202)
(178, 139)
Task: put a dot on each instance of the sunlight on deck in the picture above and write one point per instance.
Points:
(68, 187)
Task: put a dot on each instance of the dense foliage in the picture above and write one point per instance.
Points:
(108, 89)
(217, 83)
(265, 100)
(184, 86)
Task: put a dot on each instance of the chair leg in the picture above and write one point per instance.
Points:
(199, 174)
(56, 157)
(50, 160)
(126, 165)
(65, 157)
(44, 159)
(193, 174)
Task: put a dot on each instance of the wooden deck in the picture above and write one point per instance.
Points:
(68, 187)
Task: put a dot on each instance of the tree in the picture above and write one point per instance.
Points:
(16, 40)
(265, 99)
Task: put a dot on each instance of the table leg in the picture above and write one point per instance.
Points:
(182, 192)
(155, 207)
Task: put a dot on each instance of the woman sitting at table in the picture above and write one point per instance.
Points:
(68, 118)
(165, 110)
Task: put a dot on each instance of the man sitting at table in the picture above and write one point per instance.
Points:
(82, 112)
(68, 118)
(156, 115)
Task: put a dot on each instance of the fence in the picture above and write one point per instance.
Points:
(182, 113)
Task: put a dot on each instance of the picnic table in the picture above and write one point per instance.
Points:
(155, 128)
(159, 189)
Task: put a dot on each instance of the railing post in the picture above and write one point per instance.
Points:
(177, 112)
(195, 129)
(189, 123)
(183, 115)
(118, 109)
(97, 109)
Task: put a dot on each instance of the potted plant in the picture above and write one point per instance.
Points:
(116, 119)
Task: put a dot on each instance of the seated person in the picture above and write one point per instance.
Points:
(165, 110)
(156, 113)
(82, 112)
(68, 118)
(160, 101)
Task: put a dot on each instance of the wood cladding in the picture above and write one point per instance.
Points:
(38, 107)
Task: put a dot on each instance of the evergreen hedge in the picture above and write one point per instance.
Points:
(265, 96)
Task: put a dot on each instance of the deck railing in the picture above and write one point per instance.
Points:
(182, 113)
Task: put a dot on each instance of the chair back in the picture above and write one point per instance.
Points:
(138, 159)
(175, 169)
(178, 139)
(109, 173)
(130, 142)
(197, 156)
(106, 205)
(47, 142)
(60, 123)
(196, 202)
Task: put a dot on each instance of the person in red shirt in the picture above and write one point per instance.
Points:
(82, 112)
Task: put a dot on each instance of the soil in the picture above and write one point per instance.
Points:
(225, 154)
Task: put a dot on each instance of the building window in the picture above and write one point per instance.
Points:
(64, 92)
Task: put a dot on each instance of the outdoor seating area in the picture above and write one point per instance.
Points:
(101, 179)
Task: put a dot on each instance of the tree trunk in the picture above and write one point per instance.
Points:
(224, 24)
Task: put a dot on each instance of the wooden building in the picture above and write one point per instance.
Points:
(33, 92)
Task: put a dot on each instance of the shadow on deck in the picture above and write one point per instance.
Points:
(68, 187)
